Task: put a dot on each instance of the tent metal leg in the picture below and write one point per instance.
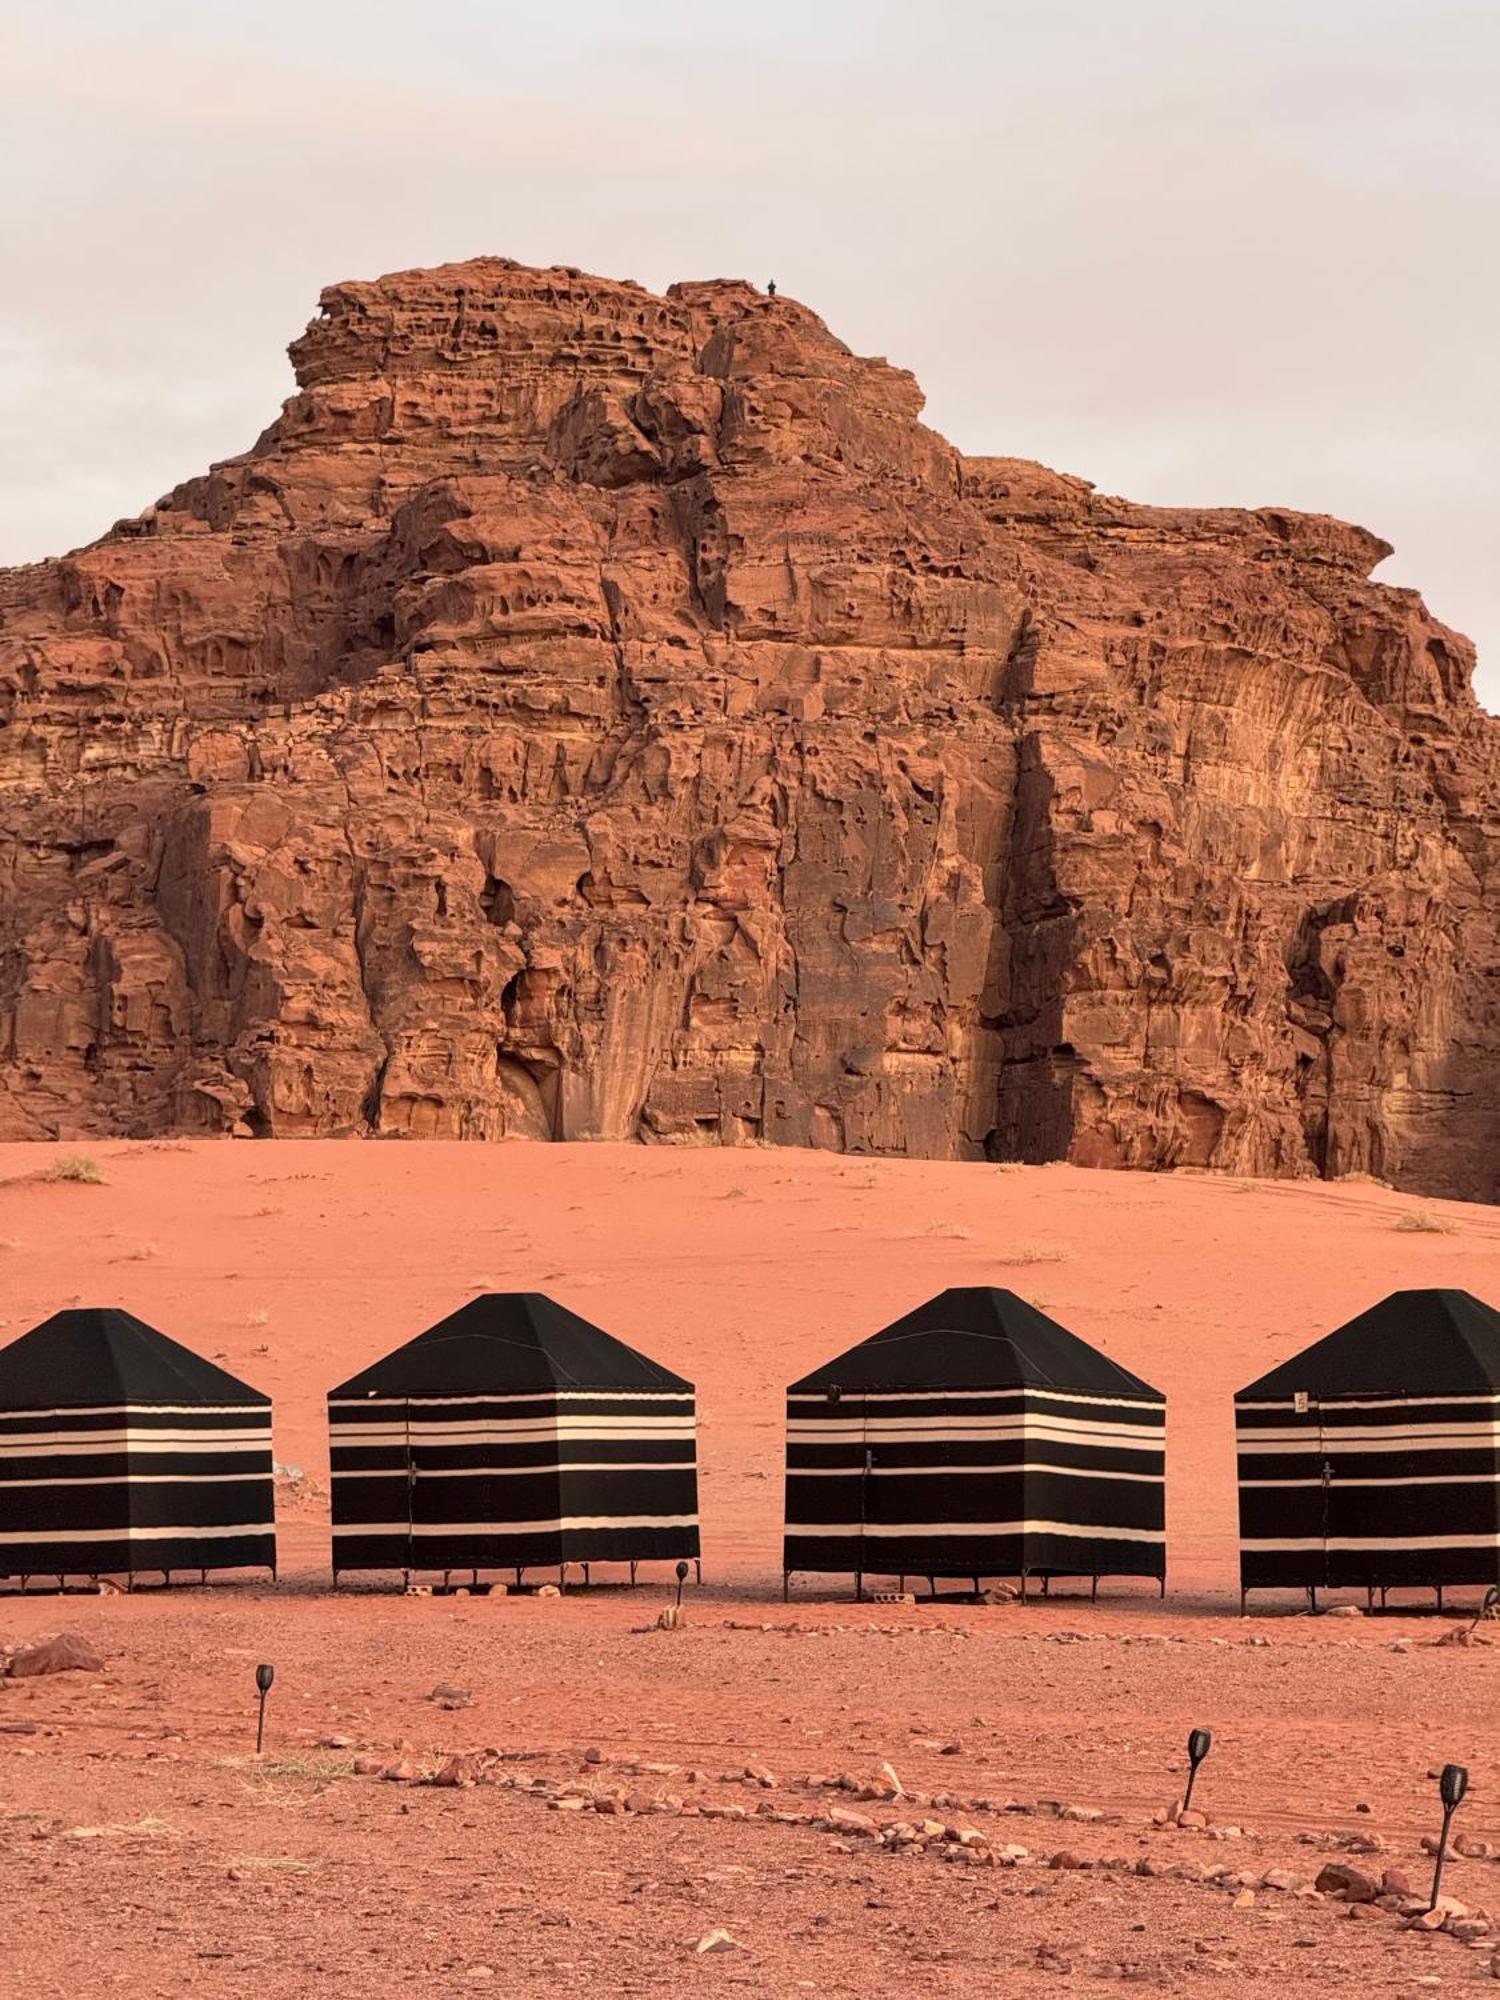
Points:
(786, 1585)
(697, 1569)
(1094, 1590)
(585, 1576)
(1439, 1589)
(976, 1586)
(519, 1573)
(1024, 1574)
(1312, 1599)
(932, 1586)
(859, 1586)
(633, 1567)
(1046, 1583)
(562, 1576)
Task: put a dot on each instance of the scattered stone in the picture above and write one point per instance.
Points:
(459, 1771)
(717, 1941)
(68, 1653)
(448, 1696)
(1348, 1883)
(1245, 1900)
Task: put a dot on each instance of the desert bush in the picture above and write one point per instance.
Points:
(75, 1167)
(1422, 1221)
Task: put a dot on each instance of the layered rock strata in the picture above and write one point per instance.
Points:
(587, 714)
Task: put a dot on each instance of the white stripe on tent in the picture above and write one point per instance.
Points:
(357, 1529)
(89, 1444)
(938, 1530)
(543, 1428)
(1394, 1401)
(49, 1536)
(1354, 1542)
(811, 1396)
(134, 1479)
(1381, 1481)
(13, 1413)
(502, 1396)
(939, 1430)
(1431, 1437)
(547, 1471)
(966, 1471)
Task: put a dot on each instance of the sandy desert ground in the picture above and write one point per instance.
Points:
(145, 1848)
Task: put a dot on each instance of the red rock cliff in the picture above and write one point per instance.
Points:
(589, 714)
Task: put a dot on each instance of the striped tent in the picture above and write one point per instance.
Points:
(975, 1437)
(1372, 1458)
(511, 1435)
(121, 1451)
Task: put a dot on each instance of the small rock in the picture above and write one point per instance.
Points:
(68, 1653)
(1245, 1900)
(448, 1696)
(717, 1941)
(1344, 1880)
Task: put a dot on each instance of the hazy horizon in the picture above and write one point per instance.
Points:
(1197, 260)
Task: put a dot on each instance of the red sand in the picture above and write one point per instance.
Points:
(141, 1849)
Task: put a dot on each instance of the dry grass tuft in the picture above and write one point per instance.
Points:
(76, 1167)
(733, 1194)
(958, 1232)
(1033, 1253)
(1010, 1166)
(1422, 1222)
(141, 1254)
(257, 1318)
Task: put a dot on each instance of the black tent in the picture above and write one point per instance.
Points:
(510, 1435)
(122, 1451)
(1373, 1457)
(975, 1437)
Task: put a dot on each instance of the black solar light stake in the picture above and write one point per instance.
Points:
(263, 1679)
(1452, 1785)
(1200, 1742)
(682, 1577)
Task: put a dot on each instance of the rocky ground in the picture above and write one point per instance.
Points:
(145, 1848)
(593, 1800)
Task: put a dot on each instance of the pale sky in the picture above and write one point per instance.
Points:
(1198, 251)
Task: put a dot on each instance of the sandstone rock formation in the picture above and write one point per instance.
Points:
(590, 714)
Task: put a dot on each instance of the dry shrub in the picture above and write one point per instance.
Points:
(1033, 1253)
(1422, 1222)
(76, 1167)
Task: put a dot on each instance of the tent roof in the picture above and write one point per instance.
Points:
(1423, 1342)
(101, 1354)
(976, 1337)
(506, 1342)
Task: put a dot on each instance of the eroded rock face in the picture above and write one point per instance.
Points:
(589, 714)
